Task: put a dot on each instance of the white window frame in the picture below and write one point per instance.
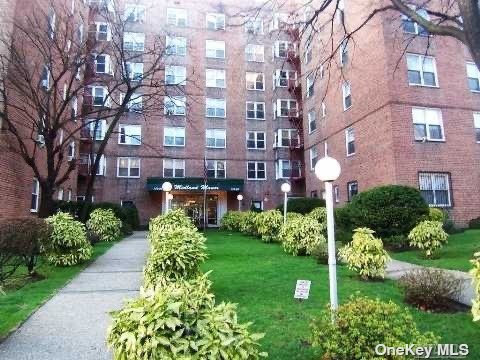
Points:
(420, 60)
(107, 34)
(293, 138)
(281, 167)
(178, 102)
(417, 28)
(283, 78)
(476, 126)
(135, 12)
(289, 102)
(134, 70)
(280, 21)
(288, 45)
(216, 168)
(310, 86)
(212, 134)
(254, 26)
(131, 134)
(256, 140)
(346, 92)
(179, 17)
(102, 165)
(177, 164)
(129, 167)
(175, 132)
(257, 170)
(255, 53)
(256, 104)
(107, 64)
(343, 52)
(473, 73)
(174, 44)
(252, 79)
(175, 75)
(45, 77)
(350, 139)
(71, 151)
(425, 117)
(35, 195)
(312, 119)
(101, 129)
(213, 18)
(105, 97)
(136, 39)
(59, 194)
(215, 49)
(324, 109)
(313, 156)
(431, 178)
(336, 193)
(219, 107)
(215, 78)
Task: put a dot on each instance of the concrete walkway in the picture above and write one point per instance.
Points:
(73, 324)
(396, 269)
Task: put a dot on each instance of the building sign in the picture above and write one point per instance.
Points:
(196, 184)
(302, 290)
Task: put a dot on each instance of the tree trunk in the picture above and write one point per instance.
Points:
(47, 204)
(88, 197)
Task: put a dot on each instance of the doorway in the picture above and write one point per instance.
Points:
(192, 204)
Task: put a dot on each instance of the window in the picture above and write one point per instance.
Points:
(52, 18)
(344, 52)
(60, 194)
(255, 81)
(135, 104)
(45, 78)
(102, 4)
(216, 138)
(310, 86)
(215, 78)
(421, 70)
(215, 108)
(314, 194)
(177, 17)
(288, 169)
(427, 124)
(134, 71)
(280, 21)
(411, 27)
(128, 167)
(350, 141)
(215, 21)
(79, 34)
(324, 109)
(102, 165)
(254, 26)
(347, 95)
(308, 53)
(133, 41)
(71, 151)
(134, 13)
(312, 121)
(102, 31)
(256, 170)
(176, 46)
(174, 136)
(175, 75)
(435, 188)
(175, 105)
(216, 169)
(313, 157)
(35, 196)
(255, 110)
(102, 64)
(74, 108)
(287, 138)
(256, 140)
(130, 134)
(285, 78)
(174, 168)
(476, 124)
(473, 75)
(285, 108)
(99, 96)
(257, 204)
(97, 129)
(352, 189)
(215, 49)
(336, 193)
(282, 48)
(255, 53)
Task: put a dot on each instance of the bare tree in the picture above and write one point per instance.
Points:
(61, 79)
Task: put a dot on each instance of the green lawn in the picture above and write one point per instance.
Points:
(261, 279)
(17, 305)
(456, 255)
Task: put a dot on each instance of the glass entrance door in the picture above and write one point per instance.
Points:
(192, 204)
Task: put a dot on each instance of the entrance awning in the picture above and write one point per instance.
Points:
(195, 184)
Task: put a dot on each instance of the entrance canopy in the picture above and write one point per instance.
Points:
(195, 184)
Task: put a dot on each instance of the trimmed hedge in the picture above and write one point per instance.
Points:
(302, 205)
(105, 225)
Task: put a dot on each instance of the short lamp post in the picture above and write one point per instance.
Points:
(167, 187)
(328, 170)
(286, 188)
(239, 198)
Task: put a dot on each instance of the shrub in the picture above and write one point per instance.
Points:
(365, 254)
(248, 223)
(20, 243)
(169, 221)
(430, 289)
(474, 223)
(320, 252)
(397, 243)
(300, 236)
(105, 224)
(180, 321)
(302, 205)
(175, 254)
(436, 214)
(320, 215)
(388, 210)
(292, 216)
(428, 236)
(363, 323)
(231, 221)
(68, 244)
(268, 225)
(475, 272)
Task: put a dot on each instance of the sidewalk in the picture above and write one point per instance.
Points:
(73, 324)
(396, 269)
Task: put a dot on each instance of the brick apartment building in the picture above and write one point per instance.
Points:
(391, 117)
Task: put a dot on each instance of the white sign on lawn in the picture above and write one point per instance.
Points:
(302, 290)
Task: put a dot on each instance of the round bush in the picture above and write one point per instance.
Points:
(268, 225)
(436, 214)
(105, 224)
(180, 321)
(388, 210)
(365, 254)
(428, 236)
(361, 324)
(301, 235)
(302, 205)
(248, 223)
(68, 244)
(320, 215)
(475, 272)
(231, 221)
(172, 220)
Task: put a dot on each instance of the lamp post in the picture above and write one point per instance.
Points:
(167, 187)
(286, 188)
(328, 170)
(239, 198)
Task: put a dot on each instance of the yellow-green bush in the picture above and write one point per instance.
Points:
(231, 221)
(320, 215)
(105, 224)
(68, 244)
(428, 236)
(436, 214)
(361, 324)
(248, 223)
(268, 224)
(180, 321)
(365, 254)
(172, 220)
(301, 235)
(475, 272)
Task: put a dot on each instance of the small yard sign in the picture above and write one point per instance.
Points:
(302, 290)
